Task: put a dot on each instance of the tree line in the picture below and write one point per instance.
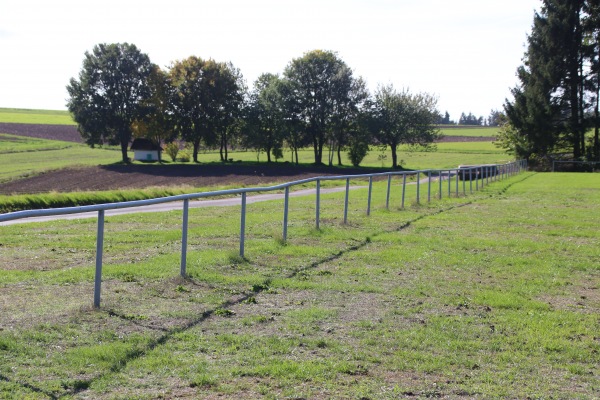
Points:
(317, 102)
(555, 106)
(494, 119)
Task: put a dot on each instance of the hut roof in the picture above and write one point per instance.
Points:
(144, 144)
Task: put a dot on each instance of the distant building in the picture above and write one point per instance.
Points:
(145, 150)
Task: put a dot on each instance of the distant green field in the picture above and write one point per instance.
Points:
(59, 117)
(23, 156)
(23, 116)
(470, 131)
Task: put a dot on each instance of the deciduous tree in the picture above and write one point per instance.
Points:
(403, 118)
(266, 115)
(207, 99)
(110, 94)
(158, 123)
(320, 83)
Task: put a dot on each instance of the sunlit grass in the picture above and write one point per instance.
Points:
(25, 116)
(491, 295)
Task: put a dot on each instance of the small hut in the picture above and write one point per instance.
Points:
(145, 150)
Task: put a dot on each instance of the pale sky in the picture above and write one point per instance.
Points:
(465, 52)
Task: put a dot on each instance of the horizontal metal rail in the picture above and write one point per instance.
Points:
(481, 174)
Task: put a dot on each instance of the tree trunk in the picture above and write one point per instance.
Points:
(268, 151)
(330, 153)
(124, 147)
(394, 156)
(196, 148)
(339, 155)
(296, 152)
(574, 68)
(221, 150)
(320, 152)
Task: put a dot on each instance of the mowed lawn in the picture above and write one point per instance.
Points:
(495, 294)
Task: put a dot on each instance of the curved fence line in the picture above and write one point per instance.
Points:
(473, 177)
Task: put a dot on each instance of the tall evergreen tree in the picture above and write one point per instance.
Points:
(551, 107)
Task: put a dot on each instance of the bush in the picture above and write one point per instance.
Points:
(357, 151)
(172, 149)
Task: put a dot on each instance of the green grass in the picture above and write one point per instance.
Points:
(462, 130)
(24, 116)
(22, 157)
(492, 295)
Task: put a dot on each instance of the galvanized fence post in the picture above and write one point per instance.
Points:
(456, 184)
(99, 250)
(403, 188)
(464, 183)
(243, 226)
(471, 179)
(440, 175)
(482, 176)
(418, 187)
(285, 212)
(429, 186)
(318, 205)
(369, 196)
(387, 196)
(346, 200)
(450, 183)
(184, 237)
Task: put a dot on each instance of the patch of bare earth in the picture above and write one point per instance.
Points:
(117, 177)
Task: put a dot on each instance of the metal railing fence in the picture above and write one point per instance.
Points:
(481, 175)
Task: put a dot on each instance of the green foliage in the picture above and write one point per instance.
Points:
(172, 149)
(557, 97)
(358, 148)
(398, 118)
(266, 122)
(110, 93)
(324, 91)
(207, 100)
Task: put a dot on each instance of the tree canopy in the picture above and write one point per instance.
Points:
(316, 101)
(322, 87)
(403, 118)
(110, 94)
(556, 101)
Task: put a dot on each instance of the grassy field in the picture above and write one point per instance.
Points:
(490, 295)
(58, 117)
(23, 156)
(46, 117)
(462, 130)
